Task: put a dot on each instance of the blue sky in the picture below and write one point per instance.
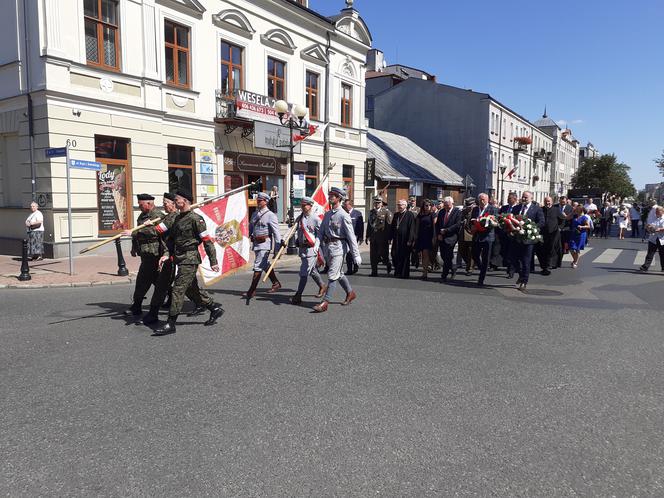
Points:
(598, 65)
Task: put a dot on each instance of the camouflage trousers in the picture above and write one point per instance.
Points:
(186, 284)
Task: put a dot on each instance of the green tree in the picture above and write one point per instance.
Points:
(660, 163)
(606, 174)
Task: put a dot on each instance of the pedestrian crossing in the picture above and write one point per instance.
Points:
(611, 256)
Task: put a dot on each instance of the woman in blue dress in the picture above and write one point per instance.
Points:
(424, 236)
(579, 228)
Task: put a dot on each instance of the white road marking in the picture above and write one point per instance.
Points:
(568, 257)
(640, 257)
(608, 256)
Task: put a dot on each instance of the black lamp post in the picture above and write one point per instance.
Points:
(502, 169)
(292, 121)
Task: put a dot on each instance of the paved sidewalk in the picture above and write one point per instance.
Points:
(89, 269)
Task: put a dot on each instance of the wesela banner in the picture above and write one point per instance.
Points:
(227, 221)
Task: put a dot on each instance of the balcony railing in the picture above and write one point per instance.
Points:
(226, 106)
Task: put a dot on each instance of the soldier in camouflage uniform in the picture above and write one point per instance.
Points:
(263, 230)
(308, 241)
(378, 234)
(188, 231)
(144, 243)
(338, 235)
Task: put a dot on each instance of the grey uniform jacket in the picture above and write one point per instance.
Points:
(264, 223)
(338, 235)
(312, 226)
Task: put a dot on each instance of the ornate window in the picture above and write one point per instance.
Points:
(102, 35)
(176, 39)
(311, 98)
(276, 78)
(346, 105)
(231, 68)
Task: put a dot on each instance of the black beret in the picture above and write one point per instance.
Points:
(186, 194)
(145, 197)
(170, 196)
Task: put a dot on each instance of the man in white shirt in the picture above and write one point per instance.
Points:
(656, 239)
(590, 206)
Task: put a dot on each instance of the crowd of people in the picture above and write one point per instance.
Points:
(436, 236)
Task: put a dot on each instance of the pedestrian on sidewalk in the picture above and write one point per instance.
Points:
(579, 228)
(34, 225)
(655, 240)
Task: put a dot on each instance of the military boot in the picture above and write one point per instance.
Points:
(151, 316)
(134, 310)
(168, 328)
(296, 299)
(198, 310)
(215, 312)
(321, 291)
(252, 288)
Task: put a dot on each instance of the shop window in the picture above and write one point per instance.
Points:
(113, 184)
(181, 173)
(276, 78)
(176, 40)
(231, 68)
(311, 178)
(311, 97)
(347, 179)
(102, 36)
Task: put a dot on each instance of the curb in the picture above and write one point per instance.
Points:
(126, 280)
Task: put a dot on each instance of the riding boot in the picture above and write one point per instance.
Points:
(168, 328)
(254, 283)
(276, 285)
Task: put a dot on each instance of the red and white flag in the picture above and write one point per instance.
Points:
(321, 202)
(227, 223)
(312, 129)
(512, 171)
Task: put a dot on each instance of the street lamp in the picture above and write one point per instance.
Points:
(293, 121)
(502, 169)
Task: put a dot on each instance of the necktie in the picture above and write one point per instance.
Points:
(523, 209)
(447, 216)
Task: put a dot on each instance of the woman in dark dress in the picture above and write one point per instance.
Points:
(424, 228)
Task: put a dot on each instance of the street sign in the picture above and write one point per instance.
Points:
(56, 152)
(369, 172)
(79, 164)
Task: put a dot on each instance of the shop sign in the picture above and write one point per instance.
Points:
(257, 107)
(369, 172)
(250, 163)
(274, 137)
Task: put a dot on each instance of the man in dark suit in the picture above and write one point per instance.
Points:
(567, 210)
(448, 224)
(506, 242)
(358, 227)
(524, 249)
(482, 239)
(549, 248)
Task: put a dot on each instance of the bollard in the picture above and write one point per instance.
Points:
(122, 266)
(25, 269)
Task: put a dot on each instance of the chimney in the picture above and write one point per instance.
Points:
(375, 60)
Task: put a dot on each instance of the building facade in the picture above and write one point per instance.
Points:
(472, 133)
(588, 152)
(565, 154)
(169, 94)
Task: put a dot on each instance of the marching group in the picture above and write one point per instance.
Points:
(484, 235)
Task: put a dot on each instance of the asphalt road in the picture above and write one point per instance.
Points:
(417, 388)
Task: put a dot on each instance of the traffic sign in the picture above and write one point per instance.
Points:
(79, 164)
(56, 152)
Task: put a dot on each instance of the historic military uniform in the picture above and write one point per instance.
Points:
(308, 242)
(263, 230)
(378, 234)
(338, 236)
(187, 232)
(145, 244)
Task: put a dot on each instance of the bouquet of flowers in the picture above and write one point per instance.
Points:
(485, 223)
(523, 229)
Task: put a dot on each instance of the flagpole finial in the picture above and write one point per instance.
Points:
(544, 115)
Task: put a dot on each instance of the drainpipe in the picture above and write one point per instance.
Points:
(31, 128)
(326, 133)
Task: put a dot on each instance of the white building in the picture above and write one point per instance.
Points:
(565, 154)
(168, 94)
(588, 152)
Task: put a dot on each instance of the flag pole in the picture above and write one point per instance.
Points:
(157, 220)
(288, 236)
